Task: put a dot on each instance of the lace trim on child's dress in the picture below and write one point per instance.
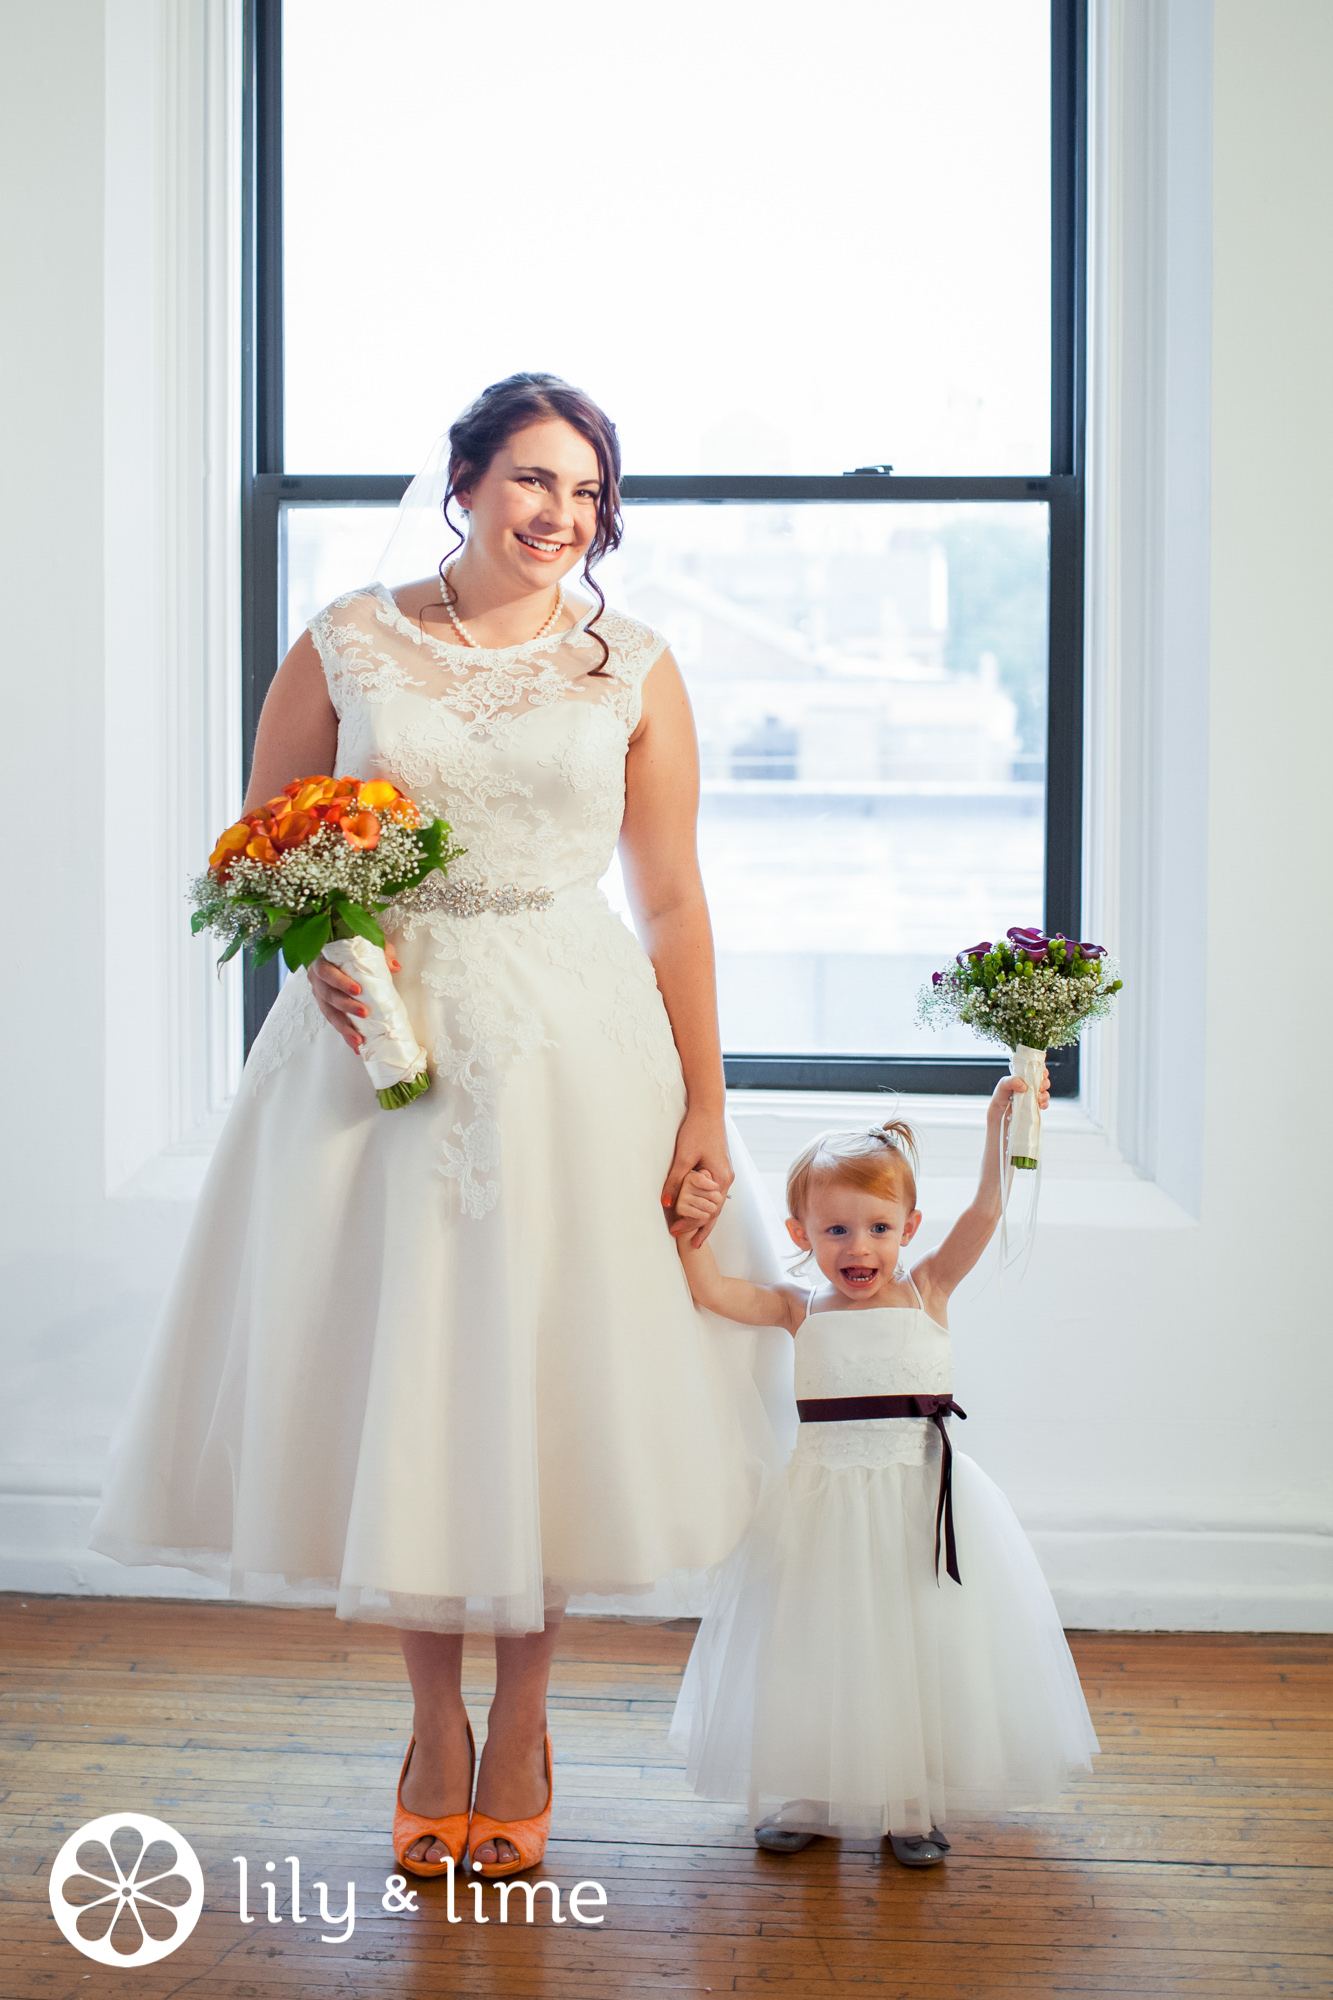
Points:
(880, 1442)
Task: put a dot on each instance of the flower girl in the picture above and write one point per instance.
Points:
(881, 1650)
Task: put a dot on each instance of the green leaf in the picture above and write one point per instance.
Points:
(231, 950)
(262, 952)
(304, 940)
(352, 920)
(199, 922)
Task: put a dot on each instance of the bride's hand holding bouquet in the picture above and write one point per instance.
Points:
(307, 874)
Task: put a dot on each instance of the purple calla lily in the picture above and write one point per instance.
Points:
(1027, 934)
(973, 951)
(1093, 950)
(935, 978)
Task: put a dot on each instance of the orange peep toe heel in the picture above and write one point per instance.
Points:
(529, 1836)
(410, 1827)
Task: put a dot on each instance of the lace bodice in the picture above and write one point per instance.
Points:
(885, 1351)
(522, 750)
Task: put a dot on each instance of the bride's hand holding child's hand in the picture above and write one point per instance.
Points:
(701, 1149)
(338, 996)
(699, 1201)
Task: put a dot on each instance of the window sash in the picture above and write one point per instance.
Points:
(266, 485)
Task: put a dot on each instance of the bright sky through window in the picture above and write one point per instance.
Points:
(767, 237)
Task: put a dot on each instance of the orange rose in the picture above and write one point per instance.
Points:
(361, 830)
(229, 846)
(294, 828)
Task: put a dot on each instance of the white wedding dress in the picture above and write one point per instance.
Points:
(439, 1365)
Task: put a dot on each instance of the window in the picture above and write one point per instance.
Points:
(786, 245)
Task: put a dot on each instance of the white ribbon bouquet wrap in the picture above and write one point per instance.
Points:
(393, 1056)
(1025, 1112)
(308, 874)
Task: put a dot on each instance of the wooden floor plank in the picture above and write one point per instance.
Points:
(1197, 1859)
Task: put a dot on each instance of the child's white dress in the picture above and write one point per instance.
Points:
(835, 1684)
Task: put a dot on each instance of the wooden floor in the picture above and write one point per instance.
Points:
(1198, 1859)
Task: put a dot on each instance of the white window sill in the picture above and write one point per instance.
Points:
(1085, 1183)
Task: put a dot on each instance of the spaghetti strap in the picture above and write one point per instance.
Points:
(915, 1293)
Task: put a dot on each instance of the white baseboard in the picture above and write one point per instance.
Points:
(44, 1550)
(1120, 1579)
(1127, 1579)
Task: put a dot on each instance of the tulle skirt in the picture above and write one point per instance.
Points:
(438, 1366)
(836, 1686)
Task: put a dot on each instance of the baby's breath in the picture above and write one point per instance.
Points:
(326, 865)
(220, 915)
(258, 903)
(1037, 1007)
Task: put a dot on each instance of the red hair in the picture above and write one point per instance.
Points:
(881, 1160)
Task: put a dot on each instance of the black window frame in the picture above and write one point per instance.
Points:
(266, 485)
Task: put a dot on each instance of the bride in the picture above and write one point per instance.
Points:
(437, 1366)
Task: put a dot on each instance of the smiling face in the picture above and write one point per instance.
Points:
(855, 1236)
(534, 509)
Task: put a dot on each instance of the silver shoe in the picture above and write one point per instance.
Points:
(781, 1839)
(919, 1850)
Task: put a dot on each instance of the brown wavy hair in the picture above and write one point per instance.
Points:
(509, 406)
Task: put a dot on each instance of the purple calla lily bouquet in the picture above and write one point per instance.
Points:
(1030, 993)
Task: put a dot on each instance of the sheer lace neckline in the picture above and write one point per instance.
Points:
(476, 654)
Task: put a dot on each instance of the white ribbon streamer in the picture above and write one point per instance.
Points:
(1020, 1138)
(389, 1049)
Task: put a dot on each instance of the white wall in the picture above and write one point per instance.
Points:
(1151, 1396)
(116, 498)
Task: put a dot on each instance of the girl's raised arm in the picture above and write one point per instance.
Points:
(944, 1269)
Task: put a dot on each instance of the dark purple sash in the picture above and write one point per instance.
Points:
(859, 1409)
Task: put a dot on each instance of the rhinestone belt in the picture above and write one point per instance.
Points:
(472, 899)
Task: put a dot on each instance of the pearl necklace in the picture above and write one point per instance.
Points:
(467, 637)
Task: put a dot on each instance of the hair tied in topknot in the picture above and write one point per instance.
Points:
(896, 1132)
(878, 1158)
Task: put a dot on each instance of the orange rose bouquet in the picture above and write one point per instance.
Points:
(306, 875)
